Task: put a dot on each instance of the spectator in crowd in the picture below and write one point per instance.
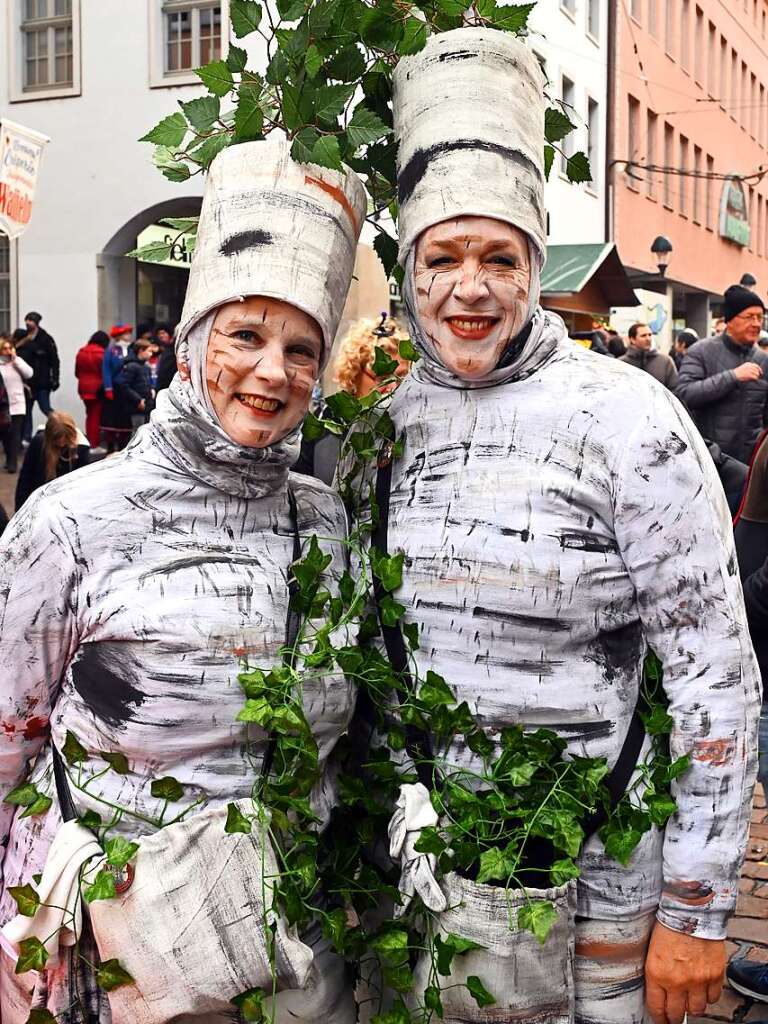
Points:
(88, 370)
(722, 379)
(14, 372)
(762, 340)
(592, 340)
(644, 356)
(39, 351)
(683, 342)
(616, 346)
(751, 533)
(166, 363)
(719, 325)
(57, 449)
(353, 372)
(133, 385)
(115, 427)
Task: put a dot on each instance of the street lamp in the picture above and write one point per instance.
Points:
(661, 249)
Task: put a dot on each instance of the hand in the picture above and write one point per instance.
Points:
(142, 405)
(682, 974)
(413, 812)
(748, 371)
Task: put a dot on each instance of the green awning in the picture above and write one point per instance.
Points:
(570, 267)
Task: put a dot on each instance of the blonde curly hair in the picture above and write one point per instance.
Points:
(356, 351)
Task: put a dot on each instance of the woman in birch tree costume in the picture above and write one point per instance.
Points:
(558, 517)
(134, 592)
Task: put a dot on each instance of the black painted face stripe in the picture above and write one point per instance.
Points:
(245, 240)
(416, 168)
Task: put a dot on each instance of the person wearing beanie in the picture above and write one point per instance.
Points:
(88, 370)
(724, 380)
(135, 593)
(536, 505)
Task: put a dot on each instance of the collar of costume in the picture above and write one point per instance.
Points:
(190, 437)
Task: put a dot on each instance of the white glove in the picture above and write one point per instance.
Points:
(413, 812)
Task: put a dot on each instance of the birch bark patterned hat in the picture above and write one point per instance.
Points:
(270, 226)
(469, 120)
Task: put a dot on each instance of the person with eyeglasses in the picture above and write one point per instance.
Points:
(723, 379)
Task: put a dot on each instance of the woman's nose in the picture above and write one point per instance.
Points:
(471, 286)
(271, 366)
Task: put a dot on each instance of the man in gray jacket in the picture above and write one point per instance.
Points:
(644, 356)
(723, 379)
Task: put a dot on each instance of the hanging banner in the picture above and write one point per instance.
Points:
(20, 152)
(734, 212)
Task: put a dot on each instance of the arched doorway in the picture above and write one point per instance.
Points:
(133, 292)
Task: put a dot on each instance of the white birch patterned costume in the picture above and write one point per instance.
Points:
(557, 518)
(131, 595)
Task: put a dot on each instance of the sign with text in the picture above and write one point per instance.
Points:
(734, 214)
(20, 152)
(181, 244)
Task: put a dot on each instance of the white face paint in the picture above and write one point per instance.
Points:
(472, 278)
(262, 360)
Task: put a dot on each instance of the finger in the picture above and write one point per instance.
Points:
(655, 1000)
(696, 1000)
(714, 990)
(676, 1006)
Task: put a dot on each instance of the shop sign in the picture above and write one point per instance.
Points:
(182, 245)
(20, 152)
(734, 214)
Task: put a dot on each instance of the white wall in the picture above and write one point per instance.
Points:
(576, 212)
(95, 175)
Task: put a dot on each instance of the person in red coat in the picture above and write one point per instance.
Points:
(89, 383)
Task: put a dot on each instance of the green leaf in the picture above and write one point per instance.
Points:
(326, 153)
(291, 10)
(462, 945)
(408, 351)
(494, 866)
(313, 428)
(293, 114)
(22, 795)
(119, 851)
(117, 762)
(658, 722)
(249, 116)
(513, 18)
(343, 406)
(173, 169)
(621, 843)
(245, 16)
(383, 364)
(578, 169)
(330, 101)
(453, 8)
(538, 917)
(90, 820)
(479, 743)
(168, 132)
(251, 1005)
(392, 946)
(386, 249)
(479, 992)
(563, 871)
(40, 806)
(432, 1000)
(411, 632)
(399, 1015)
(348, 65)
(435, 691)
(313, 60)
(391, 611)
(206, 151)
(216, 77)
(102, 887)
(389, 569)
(32, 956)
(111, 975)
(414, 37)
(660, 806)
(73, 750)
(237, 58)
(237, 821)
(40, 1016)
(549, 159)
(202, 112)
(430, 841)
(303, 144)
(167, 788)
(186, 224)
(154, 252)
(557, 124)
(365, 127)
(678, 767)
(445, 951)
(27, 900)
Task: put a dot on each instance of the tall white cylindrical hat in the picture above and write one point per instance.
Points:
(469, 121)
(270, 226)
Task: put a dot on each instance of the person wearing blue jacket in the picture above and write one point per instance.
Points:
(116, 427)
(134, 395)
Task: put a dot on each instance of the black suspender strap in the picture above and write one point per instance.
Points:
(417, 741)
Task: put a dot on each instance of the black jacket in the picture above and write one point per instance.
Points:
(41, 354)
(728, 412)
(32, 473)
(756, 600)
(166, 367)
(132, 384)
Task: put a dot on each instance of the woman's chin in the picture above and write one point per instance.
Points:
(261, 436)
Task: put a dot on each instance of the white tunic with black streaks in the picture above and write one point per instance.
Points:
(555, 524)
(131, 593)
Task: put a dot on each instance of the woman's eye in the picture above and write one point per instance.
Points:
(303, 352)
(245, 335)
(504, 261)
(439, 261)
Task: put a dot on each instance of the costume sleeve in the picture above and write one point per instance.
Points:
(25, 370)
(674, 533)
(38, 636)
(695, 388)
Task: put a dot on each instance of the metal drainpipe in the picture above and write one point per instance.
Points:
(610, 106)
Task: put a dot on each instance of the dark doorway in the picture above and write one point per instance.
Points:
(160, 294)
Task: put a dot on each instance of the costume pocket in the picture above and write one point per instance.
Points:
(193, 924)
(530, 982)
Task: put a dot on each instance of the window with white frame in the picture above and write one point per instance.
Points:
(593, 138)
(593, 18)
(47, 51)
(569, 6)
(5, 284)
(191, 35)
(568, 96)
